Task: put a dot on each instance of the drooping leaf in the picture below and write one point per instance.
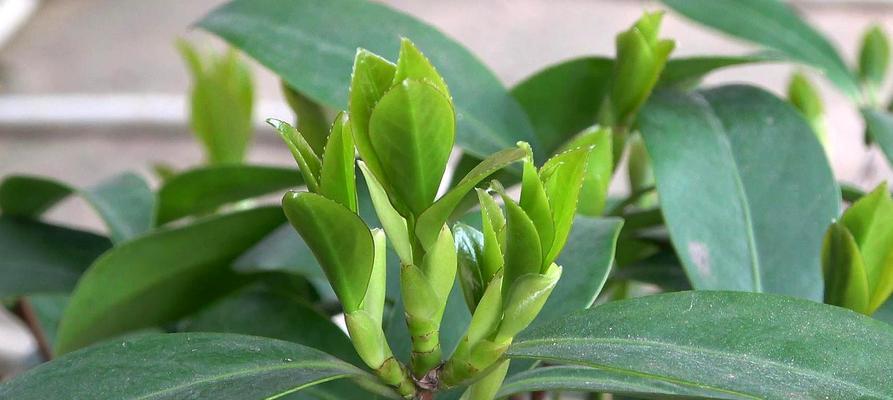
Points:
(340, 240)
(319, 64)
(124, 202)
(412, 130)
(746, 199)
(205, 189)
(161, 276)
(180, 366)
(42, 258)
(756, 346)
(879, 125)
(434, 217)
(774, 25)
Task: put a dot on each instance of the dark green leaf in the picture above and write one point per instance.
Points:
(48, 310)
(124, 202)
(754, 345)
(879, 125)
(41, 258)
(181, 366)
(205, 189)
(772, 24)
(318, 63)
(687, 72)
(585, 379)
(340, 240)
(311, 118)
(746, 199)
(161, 276)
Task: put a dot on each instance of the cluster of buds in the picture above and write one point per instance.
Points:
(401, 122)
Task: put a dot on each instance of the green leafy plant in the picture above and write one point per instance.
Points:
(706, 280)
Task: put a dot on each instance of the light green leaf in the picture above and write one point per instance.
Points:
(755, 345)
(874, 56)
(161, 276)
(179, 366)
(392, 222)
(412, 64)
(523, 254)
(536, 205)
(412, 130)
(846, 284)
(124, 202)
(599, 169)
(371, 78)
(493, 225)
(340, 240)
(870, 221)
(524, 300)
(439, 264)
(746, 200)
(43, 258)
(879, 125)
(336, 178)
(205, 189)
(318, 63)
(308, 161)
(772, 24)
(563, 179)
(429, 223)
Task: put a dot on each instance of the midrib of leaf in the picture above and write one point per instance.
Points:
(688, 349)
(717, 124)
(249, 372)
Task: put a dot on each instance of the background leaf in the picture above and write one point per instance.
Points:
(746, 200)
(756, 345)
(879, 125)
(161, 276)
(204, 189)
(295, 39)
(124, 202)
(42, 258)
(774, 25)
(181, 366)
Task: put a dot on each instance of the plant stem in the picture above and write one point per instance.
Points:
(26, 313)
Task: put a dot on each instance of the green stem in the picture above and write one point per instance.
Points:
(392, 373)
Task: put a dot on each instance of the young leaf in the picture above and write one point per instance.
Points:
(469, 254)
(336, 178)
(772, 24)
(412, 131)
(412, 64)
(805, 97)
(599, 169)
(169, 273)
(340, 240)
(393, 223)
(429, 223)
(536, 205)
(182, 365)
(493, 226)
(492, 119)
(870, 221)
(43, 258)
(846, 284)
(669, 338)
(439, 264)
(874, 56)
(524, 301)
(205, 189)
(563, 179)
(370, 80)
(523, 254)
(725, 183)
(374, 299)
(308, 162)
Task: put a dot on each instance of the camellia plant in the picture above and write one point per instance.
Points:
(448, 238)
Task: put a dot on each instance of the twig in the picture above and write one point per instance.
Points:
(24, 311)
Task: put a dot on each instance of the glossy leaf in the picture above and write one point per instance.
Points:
(879, 125)
(585, 379)
(205, 189)
(370, 79)
(124, 202)
(340, 240)
(562, 176)
(745, 199)
(469, 254)
(258, 311)
(336, 178)
(412, 130)
(179, 366)
(523, 254)
(846, 284)
(774, 25)
(43, 258)
(755, 345)
(318, 63)
(434, 217)
(870, 221)
(412, 64)
(161, 276)
(308, 161)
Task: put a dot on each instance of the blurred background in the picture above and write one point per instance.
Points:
(91, 88)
